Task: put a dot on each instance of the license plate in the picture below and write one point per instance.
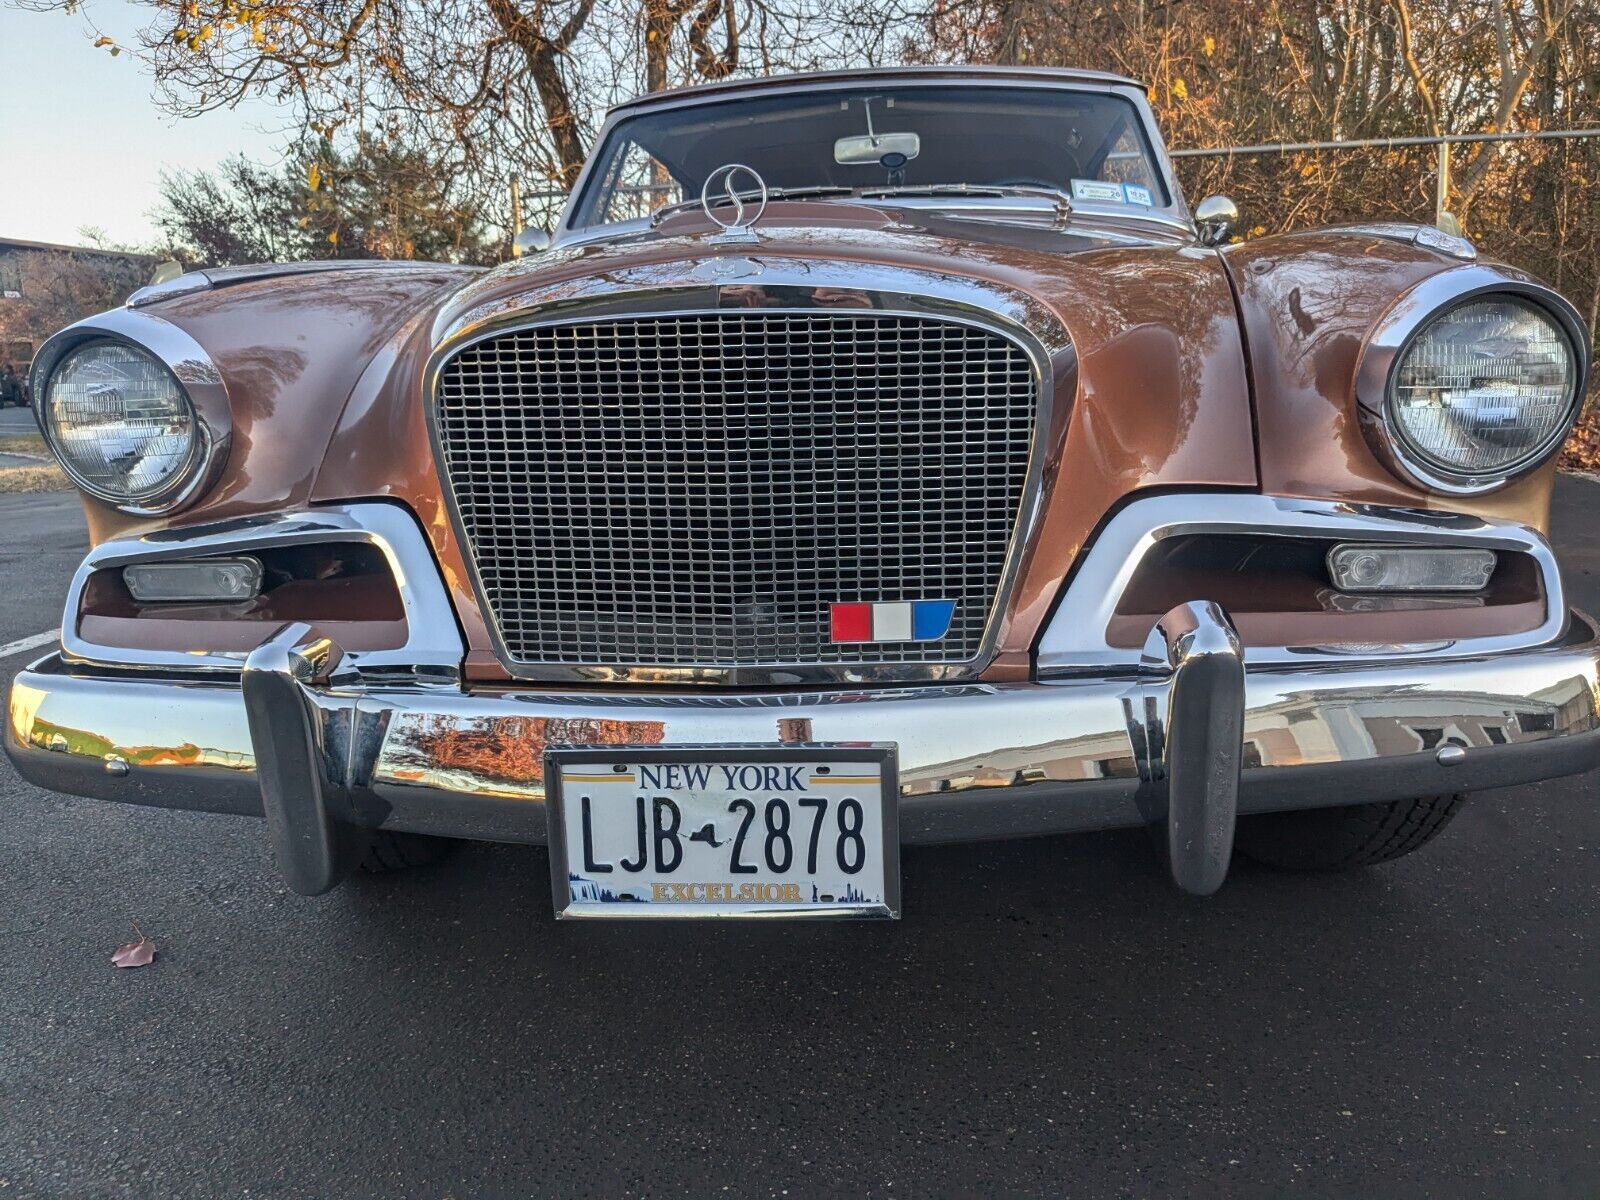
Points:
(790, 831)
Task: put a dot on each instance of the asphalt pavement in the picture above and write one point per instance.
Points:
(14, 420)
(1049, 1018)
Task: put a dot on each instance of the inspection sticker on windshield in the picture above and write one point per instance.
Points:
(765, 831)
(1094, 189)
(1138, 195)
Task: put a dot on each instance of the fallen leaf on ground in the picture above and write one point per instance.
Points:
(135, 954)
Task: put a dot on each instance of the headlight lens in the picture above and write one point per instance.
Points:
(120, 423)
(1484, 387)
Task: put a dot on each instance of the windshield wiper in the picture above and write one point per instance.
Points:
(1062, 200)
(797, 193)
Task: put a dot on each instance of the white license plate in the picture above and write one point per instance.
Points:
(772, 831)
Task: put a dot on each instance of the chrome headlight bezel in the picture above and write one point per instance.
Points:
(1408, 319)
(197, 378)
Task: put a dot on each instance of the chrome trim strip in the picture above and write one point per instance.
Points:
(433, 649)
(195, 372)
(975, 760)
(215, 277)
(1429, 237)
(1074, 639)
(1395, 331)
(790, 285)
(187, 284)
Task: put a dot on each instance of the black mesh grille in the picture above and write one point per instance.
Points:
(697, 490)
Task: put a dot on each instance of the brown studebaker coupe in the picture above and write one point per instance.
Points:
(867, 459)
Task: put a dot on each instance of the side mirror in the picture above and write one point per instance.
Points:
(1216, 217)
(166, 270)
(529, 241)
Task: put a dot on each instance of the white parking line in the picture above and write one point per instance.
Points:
(29, 643)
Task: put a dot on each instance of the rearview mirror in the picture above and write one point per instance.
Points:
(873, 148)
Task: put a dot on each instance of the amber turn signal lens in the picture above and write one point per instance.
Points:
(1410, 568)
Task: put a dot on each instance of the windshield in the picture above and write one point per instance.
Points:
(1089, 146)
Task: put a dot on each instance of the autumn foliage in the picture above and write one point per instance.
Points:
(486, 90)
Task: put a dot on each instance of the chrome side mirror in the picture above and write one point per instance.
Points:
(166, 271)
(529, 241)
(1216, 217)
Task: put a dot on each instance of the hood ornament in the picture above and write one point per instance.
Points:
(738, 185)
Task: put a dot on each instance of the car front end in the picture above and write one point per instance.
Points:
(1022, 513)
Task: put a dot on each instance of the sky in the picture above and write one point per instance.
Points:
(81, 140)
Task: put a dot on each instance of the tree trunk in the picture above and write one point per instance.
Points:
(543, 56)
(559, 117)
(660, 17)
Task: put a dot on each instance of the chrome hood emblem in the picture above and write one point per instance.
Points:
(738, 185)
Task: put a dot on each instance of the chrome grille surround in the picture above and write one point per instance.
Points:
(678, 541)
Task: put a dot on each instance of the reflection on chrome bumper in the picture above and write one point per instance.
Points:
(976, 761)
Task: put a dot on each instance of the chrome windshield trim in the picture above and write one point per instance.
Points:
(1074, 639)
(793, 284)
(433, 650)
(1161, 160)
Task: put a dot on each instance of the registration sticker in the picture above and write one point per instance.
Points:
(1138, 195)
(1094, 189)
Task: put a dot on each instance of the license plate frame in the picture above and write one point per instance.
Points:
(883, 755)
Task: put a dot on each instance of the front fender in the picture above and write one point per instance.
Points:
(1308, 303)
(289, 349)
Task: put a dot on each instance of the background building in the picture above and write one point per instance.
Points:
(45, 286)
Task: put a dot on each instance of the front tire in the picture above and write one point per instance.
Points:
(1342, 839)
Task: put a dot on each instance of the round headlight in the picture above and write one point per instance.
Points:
(121, 425)
(1484, 388)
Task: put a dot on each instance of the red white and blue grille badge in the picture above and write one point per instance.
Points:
(891, 621)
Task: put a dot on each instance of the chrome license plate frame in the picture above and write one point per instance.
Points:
(580, 820)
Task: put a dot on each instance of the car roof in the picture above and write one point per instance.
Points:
(875, 74)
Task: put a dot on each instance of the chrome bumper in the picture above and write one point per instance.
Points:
(975, 761)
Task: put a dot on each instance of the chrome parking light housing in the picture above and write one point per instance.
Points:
(432, 651)
(1075, 641)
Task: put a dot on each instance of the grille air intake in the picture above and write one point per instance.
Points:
(696, 490)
